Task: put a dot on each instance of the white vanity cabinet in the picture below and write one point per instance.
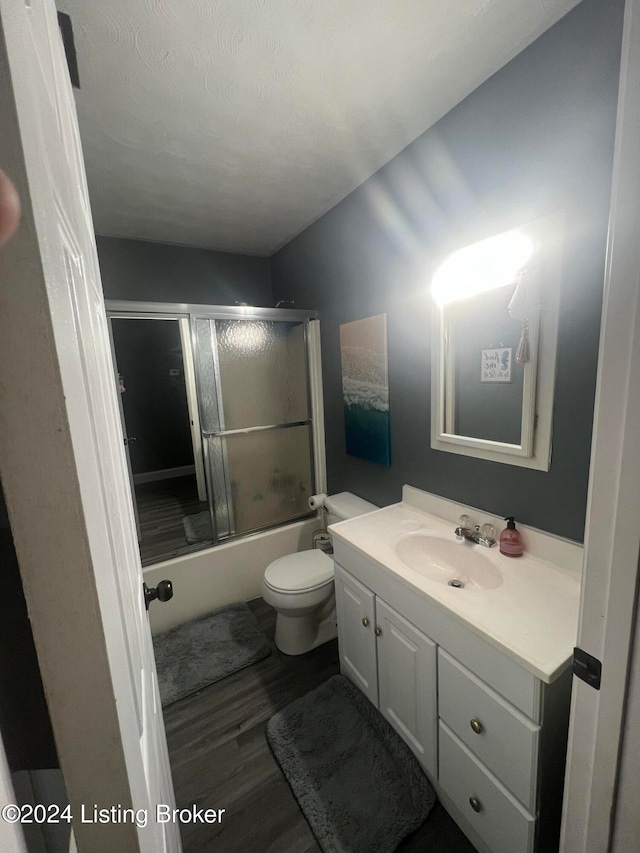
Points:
(392, 662)
(489, 734)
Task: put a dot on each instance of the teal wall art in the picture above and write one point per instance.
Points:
(365, 388)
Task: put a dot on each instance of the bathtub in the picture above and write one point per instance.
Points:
(217, 576)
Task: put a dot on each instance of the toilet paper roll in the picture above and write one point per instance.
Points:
(317, 501)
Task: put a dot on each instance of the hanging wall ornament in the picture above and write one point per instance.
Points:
(522, 353)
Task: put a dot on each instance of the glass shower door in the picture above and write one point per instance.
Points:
(255, 421)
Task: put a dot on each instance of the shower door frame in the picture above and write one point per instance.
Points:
(313, 371)
(184, 329)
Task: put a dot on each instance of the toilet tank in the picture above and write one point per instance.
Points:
(345, 505)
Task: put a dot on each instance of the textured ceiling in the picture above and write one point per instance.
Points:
(234, 125)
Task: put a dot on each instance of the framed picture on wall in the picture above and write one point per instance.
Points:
(365, 388)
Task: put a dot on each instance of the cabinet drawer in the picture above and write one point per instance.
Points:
(507, 742)
(500, 821)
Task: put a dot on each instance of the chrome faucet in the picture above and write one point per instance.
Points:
(485, 537)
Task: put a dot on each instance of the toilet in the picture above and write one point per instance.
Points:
(300, 586)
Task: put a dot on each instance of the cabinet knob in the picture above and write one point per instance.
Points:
(475, 804)
(365, 621)
(476, 725)
(377, 631)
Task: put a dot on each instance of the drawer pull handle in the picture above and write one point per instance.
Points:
(365, 621)
(377, 631)
(476, 725)
(475, 804)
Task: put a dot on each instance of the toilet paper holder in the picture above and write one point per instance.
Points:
(322, 541)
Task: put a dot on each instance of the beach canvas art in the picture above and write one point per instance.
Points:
(365, 388)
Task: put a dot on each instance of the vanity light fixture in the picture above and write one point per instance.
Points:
(483, 266)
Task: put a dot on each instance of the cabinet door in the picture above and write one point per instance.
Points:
(355, 606)
(407, 683)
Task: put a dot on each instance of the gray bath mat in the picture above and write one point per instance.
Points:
(358, 784)
(197, 528)
(197, 653)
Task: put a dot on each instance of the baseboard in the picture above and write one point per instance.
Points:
(163, 474)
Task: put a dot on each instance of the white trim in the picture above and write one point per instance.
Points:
(612, 540)
(627, 816)
(164, 474)
(89, 622)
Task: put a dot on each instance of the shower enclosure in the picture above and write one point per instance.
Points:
(253, 397)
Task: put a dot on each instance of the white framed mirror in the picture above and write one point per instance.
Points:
(494, 339)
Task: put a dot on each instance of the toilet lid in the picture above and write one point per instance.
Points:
(301, 571)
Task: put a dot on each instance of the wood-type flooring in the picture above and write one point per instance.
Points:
(220, 759)
(162, 505)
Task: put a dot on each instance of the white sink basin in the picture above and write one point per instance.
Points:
(447, 561)
(527, 608)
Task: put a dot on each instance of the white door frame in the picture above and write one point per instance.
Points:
(612, 536)
(62, 462)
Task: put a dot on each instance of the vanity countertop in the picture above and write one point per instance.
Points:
(532, 616)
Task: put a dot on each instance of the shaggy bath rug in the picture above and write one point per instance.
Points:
(197, 653)
(358, 784)
(197, 528)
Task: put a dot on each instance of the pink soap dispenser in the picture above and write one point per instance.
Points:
(510, 539)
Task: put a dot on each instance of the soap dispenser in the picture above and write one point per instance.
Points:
(510, 539)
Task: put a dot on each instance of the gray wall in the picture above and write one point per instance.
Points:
(536, 137)
(159, 272)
